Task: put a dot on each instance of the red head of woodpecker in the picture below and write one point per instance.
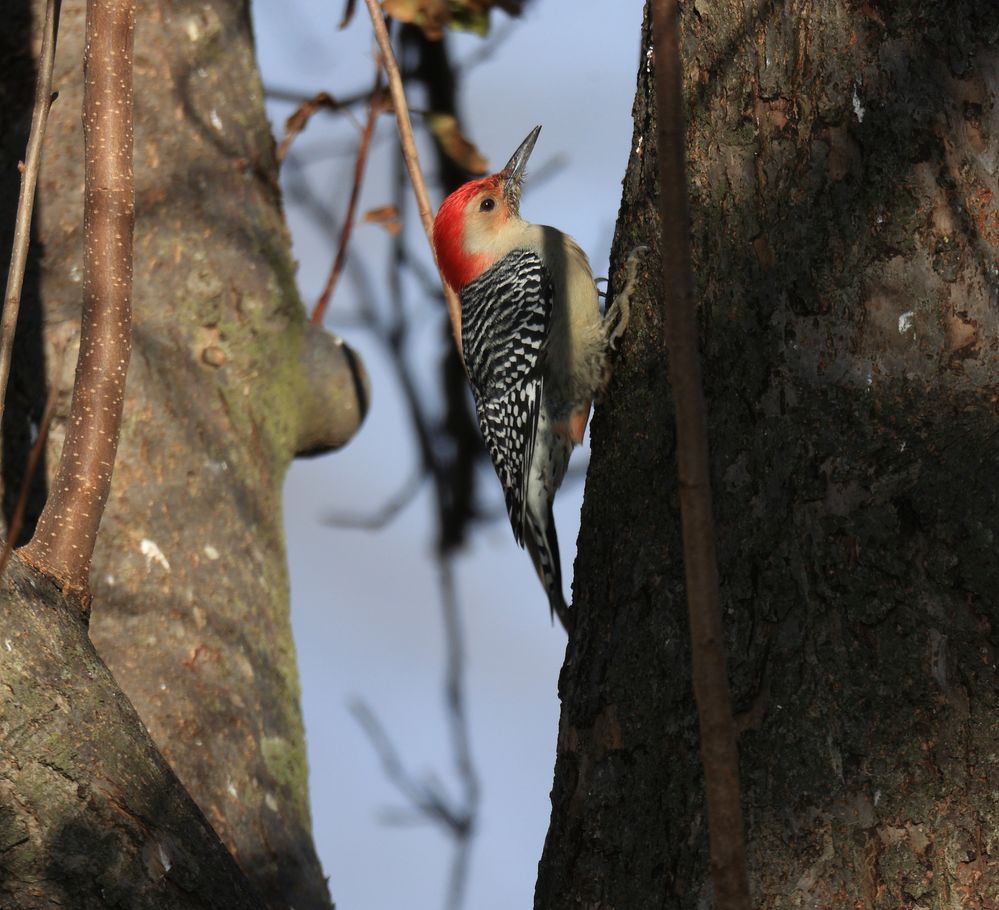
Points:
(534, 343)
(476, 217)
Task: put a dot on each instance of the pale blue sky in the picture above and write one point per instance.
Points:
(365, 606)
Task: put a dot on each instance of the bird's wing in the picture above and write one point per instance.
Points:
(505, 317)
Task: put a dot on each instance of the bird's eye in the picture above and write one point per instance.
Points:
(487, 204)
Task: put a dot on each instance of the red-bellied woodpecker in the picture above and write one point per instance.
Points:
(535, 346)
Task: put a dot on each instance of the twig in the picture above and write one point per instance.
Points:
(67, 528)
(410, 154)
(460, 740)
(26, 200)
(455, 474)
(299, 97)
(719, 754)
(426, 278)
(487, 50)
(348, 14)
(374, 109)
(301, 117)
(381, 517)
(34, 456)
(426, 797)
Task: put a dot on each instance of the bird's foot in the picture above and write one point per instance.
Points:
(619, 312)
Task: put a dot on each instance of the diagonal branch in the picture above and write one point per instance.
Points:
(719, 754)
(374, 109)
(25, 203)
(67, 529)
(410, 154)
(34, 457)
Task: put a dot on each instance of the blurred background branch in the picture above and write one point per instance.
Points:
(429, 451)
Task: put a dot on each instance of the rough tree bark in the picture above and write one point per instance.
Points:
(843, 162)
(91, 816)
(227, 384)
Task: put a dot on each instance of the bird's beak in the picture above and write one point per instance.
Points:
(513, 173)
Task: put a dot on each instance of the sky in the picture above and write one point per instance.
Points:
(366, 605)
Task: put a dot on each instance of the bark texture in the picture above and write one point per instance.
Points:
(843, 161)
(91, 816)
(227, 383)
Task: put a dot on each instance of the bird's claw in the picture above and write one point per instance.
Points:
(619, 312)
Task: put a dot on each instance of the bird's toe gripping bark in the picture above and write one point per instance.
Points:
(619, 312)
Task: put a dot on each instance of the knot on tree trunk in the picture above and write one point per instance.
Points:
(337, 392)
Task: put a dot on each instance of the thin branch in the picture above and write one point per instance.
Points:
(487, 50)
(410, 154)
(322, 101)
(67, 528)
(425, 277)
(719, 754)
(380, 518)
(454, 688)
(34, 456)
(374, 109)
(348, 14)
(457, 427)
(300, 96)
(426, 797)
(26, 200)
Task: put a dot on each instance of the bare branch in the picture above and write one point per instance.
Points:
(348, 14)
(410, 154)
(425, 277)
(34, 456)
(299, 97)
(26, 200)
(301, 117)
(383, 516)
(719, 754)
(487, 50)
(454, 688)
(374, 109)
(427, 797)
(67, 528)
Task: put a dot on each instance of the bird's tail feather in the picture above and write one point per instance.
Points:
(542, 544)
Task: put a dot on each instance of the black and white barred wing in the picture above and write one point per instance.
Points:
(505, 319)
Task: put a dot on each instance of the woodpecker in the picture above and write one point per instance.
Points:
(535, 347)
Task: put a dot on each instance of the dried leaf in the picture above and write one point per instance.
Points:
(387, 216)
(298, 120)
(470, 17)
(430, 15)
(473, 15)
(454, 144)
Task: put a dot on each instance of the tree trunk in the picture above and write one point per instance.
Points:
(227, 384)
(91, 816)
(843, 171)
